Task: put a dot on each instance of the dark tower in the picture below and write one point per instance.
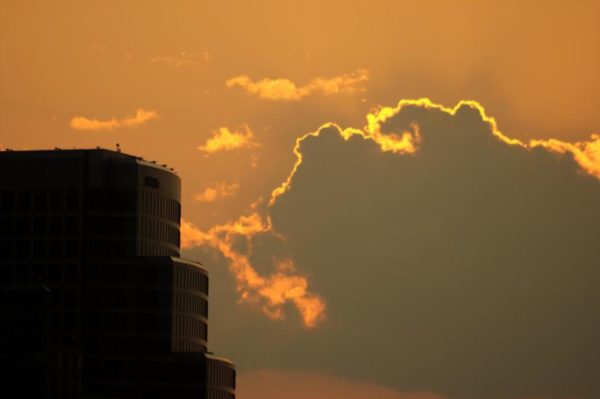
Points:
(94, 299)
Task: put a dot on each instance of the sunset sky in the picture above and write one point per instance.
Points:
(394, 199)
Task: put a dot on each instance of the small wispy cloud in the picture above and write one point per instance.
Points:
(225, 139)
(282, 89)
(272, 293)
(184, 59)
(141, 116)
(216, 191)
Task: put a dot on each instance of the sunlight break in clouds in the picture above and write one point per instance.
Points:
(272, 292)
(227, 140)
(286, 90)
(218, 190)
(284, 285)
(141, 116)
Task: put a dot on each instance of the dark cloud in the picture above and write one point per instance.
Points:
(469, 268)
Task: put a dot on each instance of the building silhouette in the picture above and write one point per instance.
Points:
(94, 299)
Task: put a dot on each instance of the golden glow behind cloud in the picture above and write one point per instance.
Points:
(272, 292)
(404, 143)
(283, 286)
(586, 153)
(218, 190)
(281, 89)
(141, 116)
(226, 140)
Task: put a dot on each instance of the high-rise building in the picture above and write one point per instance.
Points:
(94, 299)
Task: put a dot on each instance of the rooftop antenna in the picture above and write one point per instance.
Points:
(118, 148)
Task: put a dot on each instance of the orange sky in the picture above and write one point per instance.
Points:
(223, 91)
(533, 65)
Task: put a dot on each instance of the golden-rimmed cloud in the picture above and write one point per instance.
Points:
(224, 139)
(403, 143)
(185, 59)
(282, 287)
(141, 117)
(216, 191)
(437, 239)
(281, 89)
(586, 153)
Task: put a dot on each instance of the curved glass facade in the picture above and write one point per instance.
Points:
(150, 304)
(220, 378)
(89, 246)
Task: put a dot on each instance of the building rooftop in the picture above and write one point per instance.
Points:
(79, 152)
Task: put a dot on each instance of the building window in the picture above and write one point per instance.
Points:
(21, 274)
(7, 227)
(6, 249)
(69, 321)
(55, 249)
(24, 201)
(23, 249)
(72, 226)
(37, 271)
(39, 249)
(72, 200)
(71, 249)
(95, 200)
(55, 225)
(69, 298)
(151, 182)
(39, 226)
(7, 200)
(6, 274)
(54, 273)
(55, 200)
(71, 273)
(39, 200)
(22, 226)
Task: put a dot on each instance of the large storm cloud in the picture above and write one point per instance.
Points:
(469, 267)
